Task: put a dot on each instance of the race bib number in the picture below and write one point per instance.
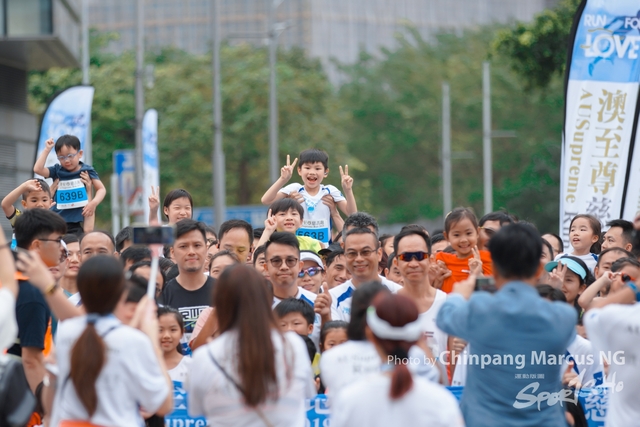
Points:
(71, 194)
(316, 229)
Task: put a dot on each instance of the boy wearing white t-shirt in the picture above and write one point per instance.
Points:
(313, 168)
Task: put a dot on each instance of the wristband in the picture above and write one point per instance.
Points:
(634, 288)
(51, 289)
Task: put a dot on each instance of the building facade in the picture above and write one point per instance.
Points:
(326, 29)
(34, 35)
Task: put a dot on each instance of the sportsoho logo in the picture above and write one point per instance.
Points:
(610, 37)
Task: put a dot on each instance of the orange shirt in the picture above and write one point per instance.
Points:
(460, 267)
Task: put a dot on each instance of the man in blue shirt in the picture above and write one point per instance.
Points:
(516, 338)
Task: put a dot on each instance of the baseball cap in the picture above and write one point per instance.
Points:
(311, 256)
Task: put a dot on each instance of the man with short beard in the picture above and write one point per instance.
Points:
(192, 290)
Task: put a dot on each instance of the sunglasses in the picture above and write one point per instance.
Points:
(626, 278)
(408, 256)
(311, 271)
(277, 262)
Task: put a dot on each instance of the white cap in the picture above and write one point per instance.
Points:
(311, 256)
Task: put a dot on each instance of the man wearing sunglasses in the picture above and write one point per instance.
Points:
(613, 326)
(283, 263)
(413, 248)
(362, 252)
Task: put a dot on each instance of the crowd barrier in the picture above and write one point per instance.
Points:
(594, 403)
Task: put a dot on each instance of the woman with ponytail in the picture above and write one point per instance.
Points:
(251, 374)
(393, 396)
(108, 371)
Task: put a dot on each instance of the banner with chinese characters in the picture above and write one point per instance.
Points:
(600, 110)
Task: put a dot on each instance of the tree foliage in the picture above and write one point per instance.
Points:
(395, 104)
(384, 122)
(537, 51)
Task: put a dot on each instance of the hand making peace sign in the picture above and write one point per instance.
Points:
(347, 181)
(287, 170)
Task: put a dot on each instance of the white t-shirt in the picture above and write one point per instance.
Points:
(346, 363)
(180, 372)
(436, 338)
(130, 377)
(342, 295)
(367, 403)
(8, 324)
(310, 298)
(317, 216)
(212, 395)
(616, 328)
(587, 363)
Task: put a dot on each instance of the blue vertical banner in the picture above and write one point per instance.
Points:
(68, 113)
(150, 158)
(601, 111)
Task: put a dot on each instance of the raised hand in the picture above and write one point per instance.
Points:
(30, 263)
(154, 199)
(556, 277)
(475, 263)
(270, 223)
(49, 144)
(347, 181)
(287, 170)
(322, 304)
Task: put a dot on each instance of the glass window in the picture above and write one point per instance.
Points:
(28, 17)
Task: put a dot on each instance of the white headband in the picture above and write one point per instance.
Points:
(382, 329)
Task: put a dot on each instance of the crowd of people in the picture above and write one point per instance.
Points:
(252, 322)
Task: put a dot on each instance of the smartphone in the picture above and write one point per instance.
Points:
(160, 235)
(486, 284)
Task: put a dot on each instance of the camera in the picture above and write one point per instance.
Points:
(160, 235)
(486, 284)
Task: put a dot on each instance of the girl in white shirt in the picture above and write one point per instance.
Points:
(171, 325)
(107, 370)
(251, 374)
(394, 396)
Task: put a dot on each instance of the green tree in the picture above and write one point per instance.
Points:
(395, 104)
(537, 51)
(310, 116)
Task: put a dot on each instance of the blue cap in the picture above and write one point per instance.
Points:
(571, 264)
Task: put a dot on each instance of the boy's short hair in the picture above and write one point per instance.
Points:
(37, 223)
(67, 141)
(501, 216)
(619, 264)
(283, 205)
(122, 236)
(437, 238)
(390, 259)
(140, 264)
(43, 184)
(135, 253)
(314, 155)
(624, 254)
(311, 347)
(260, 250)
(293, 305)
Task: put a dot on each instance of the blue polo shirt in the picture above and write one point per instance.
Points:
(524, 336)
(58, 172)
